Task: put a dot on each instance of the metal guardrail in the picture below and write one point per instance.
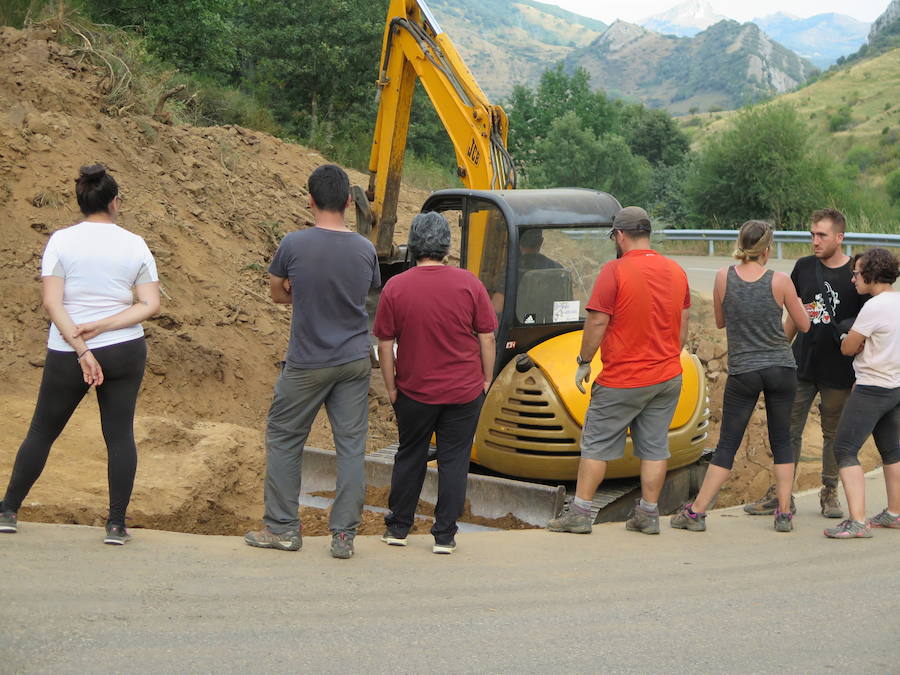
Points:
(851, 239)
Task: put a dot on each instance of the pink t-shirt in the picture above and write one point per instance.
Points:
(435, 312)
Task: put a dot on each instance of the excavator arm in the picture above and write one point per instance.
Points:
(415, 47)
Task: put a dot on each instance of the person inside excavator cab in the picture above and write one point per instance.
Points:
(530, 258)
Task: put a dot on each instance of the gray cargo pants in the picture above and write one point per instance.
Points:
(299, 394)
(830, 408)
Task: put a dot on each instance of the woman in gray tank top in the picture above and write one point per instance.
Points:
(749, 303)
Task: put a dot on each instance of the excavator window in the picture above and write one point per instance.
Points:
(556, 272)
(486, 244)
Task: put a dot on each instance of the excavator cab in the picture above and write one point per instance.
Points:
(538, 253)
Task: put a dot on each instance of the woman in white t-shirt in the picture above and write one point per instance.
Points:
(91, 273)
(874, 403)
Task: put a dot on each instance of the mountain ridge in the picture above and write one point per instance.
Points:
(726, 65)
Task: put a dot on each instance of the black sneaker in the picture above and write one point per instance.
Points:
(392, 539)
(116, 535)
(8, 522)
(445, 548)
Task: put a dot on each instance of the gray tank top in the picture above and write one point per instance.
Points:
(756, 338)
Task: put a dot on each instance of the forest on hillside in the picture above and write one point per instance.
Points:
(305, 71)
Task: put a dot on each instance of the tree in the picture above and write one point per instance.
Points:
(654, 135)
(195, 35)
(574, 156)
(892, 185)
(763, 166)
(532, 113)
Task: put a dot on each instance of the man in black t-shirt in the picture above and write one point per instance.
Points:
(823, 282)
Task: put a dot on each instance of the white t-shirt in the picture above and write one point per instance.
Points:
(101, 264)
(878, 364)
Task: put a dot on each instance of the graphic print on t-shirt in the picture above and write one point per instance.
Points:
(817, 310)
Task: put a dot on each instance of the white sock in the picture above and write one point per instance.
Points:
(892, 515)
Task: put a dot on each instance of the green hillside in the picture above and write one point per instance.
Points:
(854, 113)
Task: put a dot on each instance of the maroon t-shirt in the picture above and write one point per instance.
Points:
(434, 313)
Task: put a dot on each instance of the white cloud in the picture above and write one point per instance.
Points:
(637, 10)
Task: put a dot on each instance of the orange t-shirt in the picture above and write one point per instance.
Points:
(644, 293)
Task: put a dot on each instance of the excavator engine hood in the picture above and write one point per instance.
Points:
(530, 425)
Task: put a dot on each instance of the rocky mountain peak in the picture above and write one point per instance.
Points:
(891, 14)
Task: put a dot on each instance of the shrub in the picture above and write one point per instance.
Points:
(840, 121)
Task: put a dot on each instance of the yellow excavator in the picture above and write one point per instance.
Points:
(537, 252)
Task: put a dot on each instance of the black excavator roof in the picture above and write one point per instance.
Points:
(524, 208)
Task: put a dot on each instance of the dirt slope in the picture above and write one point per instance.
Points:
(212, 204)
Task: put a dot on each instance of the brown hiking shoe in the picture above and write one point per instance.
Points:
(767, 504)
(571, 520)
(829, 502)
(265, 538)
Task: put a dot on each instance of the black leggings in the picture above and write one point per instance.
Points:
(869, 410)
(62, 388)
(778, 384)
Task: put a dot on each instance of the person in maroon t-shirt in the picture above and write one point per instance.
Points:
(443, 324)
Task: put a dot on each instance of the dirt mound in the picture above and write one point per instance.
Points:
(212, 204)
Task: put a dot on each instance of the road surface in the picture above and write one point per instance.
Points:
(701, 270)
(739, 598)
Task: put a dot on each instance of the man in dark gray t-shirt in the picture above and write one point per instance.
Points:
(331, 272)
(325, 273)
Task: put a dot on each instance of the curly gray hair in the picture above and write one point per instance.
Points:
(429, 236)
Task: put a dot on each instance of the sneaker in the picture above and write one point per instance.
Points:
(883, 519)
(291, 540)
(392, 539)
(342, 545)
(784, 522)
(688, 520)
(444, 549)
(9, 522)
(116, 535)
(829, 502)
(571, 520)
(767, 505)
(642, 521)
(849, 529)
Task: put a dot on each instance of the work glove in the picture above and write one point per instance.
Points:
(582, 375)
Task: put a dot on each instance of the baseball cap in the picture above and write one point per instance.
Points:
(632, 218)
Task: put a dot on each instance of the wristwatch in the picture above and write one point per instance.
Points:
(581, 361)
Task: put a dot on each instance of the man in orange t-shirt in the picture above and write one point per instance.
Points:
(638, 314)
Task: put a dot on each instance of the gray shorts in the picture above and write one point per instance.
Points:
(647, 410)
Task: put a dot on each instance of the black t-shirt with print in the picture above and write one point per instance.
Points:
(825, 366)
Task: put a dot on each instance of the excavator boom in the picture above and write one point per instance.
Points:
(414, 47)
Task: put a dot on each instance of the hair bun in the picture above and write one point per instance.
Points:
(93, 172)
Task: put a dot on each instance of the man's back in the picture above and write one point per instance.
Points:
(331, 273)
(644, 293)
(435, 312)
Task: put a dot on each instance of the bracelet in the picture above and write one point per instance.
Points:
(82, 353)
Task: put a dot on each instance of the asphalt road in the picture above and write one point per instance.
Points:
(739, 598)
(701, 270)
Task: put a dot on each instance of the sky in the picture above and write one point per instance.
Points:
(741, 10)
